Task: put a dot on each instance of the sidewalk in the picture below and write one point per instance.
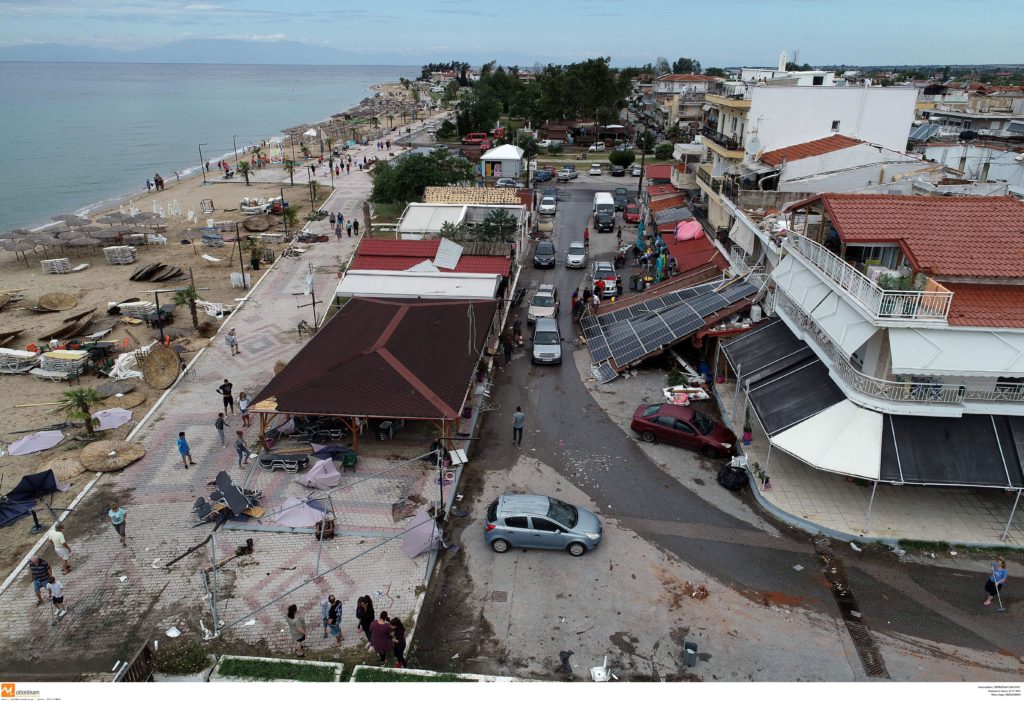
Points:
(118, 597)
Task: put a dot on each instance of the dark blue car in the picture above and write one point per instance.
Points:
(542, 176)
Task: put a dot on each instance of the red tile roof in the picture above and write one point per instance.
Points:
(658, 205)
(659, 190)
(943, 236)
(398, 254)
(661, 171)
(999, 306)
(695, 254)
(809, 149)
(688, 78)
(385, 358)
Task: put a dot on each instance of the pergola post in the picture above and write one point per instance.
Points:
(1006, 531)
(263, 431)
(351, 422)
(871, 503)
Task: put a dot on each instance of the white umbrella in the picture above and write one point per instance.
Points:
(309, 132)
(111, 418)
(34, 442)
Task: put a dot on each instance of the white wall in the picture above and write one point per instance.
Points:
(846, 170)
(784, 116)
(1002, 165)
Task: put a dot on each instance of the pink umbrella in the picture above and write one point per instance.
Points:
(34, 442)
(423, 537)
(112, 418)
(689, 229)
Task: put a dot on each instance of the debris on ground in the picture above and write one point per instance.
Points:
(700, 592)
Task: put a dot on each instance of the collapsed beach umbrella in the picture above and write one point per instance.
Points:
(110, 456)
(297, 513)
(111, 418)
(35, 442)
(83, 241)
(18, 245)
(124, 401)
(65, 467)
(89, 228)
(14, 233)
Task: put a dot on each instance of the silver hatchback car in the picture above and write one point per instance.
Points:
(535, 521)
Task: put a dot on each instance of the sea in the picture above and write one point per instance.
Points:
(80, 135)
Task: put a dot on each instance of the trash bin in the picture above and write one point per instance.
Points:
(690, 654)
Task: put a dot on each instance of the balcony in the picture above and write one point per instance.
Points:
(726, 142)
(881, 305)
(704, 176)
(912, 391)
(737, 102)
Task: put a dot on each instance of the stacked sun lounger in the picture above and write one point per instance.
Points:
(69, 362)
(120, 255)
(14, 361)
(137, 310)
(56, 266)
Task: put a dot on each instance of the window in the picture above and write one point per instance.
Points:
(818, 80)
(652, 410)
(734, 125)
(835, 125)
(682, 427)
(542, 524)
(516, 522)
(666, 421)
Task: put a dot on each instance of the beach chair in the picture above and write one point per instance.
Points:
(80, 268)
(289, 463)
(204, 511)
(212, 260)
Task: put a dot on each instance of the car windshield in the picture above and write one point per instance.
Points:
(543, 301)
(703, 423)
(545, 248)
(652, 410)
(577, 249)
(565, 514)
(546, 338)
(548, 201)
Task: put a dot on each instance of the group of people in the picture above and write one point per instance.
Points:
(384, 145)
(350, 227)
(157, 182)
(384, 635)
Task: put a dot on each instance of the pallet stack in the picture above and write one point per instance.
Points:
(119, 255)
(71, 362)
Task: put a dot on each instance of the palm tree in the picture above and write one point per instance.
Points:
(376, 122)
(314, 188)
(330, 144)
(290, 214)
(305, 150)
(243, 168)
(188, 296)
(78, 404)
(289, 167)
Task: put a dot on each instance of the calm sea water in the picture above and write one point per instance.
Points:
(76, 134)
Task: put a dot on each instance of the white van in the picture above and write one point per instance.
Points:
(604, 203)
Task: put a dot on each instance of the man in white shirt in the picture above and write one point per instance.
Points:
(56, 590)
(60, 545)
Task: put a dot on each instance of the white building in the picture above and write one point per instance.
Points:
(980, 162)
(677, 83)
(503, 162)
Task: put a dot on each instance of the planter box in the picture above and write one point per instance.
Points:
(201, 676)
(335, 668)
(410, 675)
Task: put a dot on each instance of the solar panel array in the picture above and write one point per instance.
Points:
(626, 335)
(603, 373)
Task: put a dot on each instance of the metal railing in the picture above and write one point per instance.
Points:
(881, 304)
(705, 177)
(910, 391)
(725, 142)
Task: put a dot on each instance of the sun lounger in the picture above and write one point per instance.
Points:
(52, 375)
(211, 259)
(289, 463)
(80, 268)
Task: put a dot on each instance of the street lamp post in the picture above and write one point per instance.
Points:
(233, 137)
(241, 263)
(640, 182)
(202, 163)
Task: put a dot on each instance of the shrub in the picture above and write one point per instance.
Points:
(555, 149)
(376, 674)
(180, 657)
(621, 158)
(674, 377)
(261, 670)
(663, 151)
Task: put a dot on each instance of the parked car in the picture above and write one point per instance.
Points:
(542, 176)
(567, 173)
(624, 147)
(544, 304)
(595, 169)
(508, 182)
(536, 521)
(576, 255)
(620, 197)
(605, 271)
(604, 222)
(682, 426)
(550, 192)
(596, 147)
(547, 205)
(544, 256)
(618, 171)
(632, 213)
(474, 138)
(636, 171)
(548, 143)
(547, 343)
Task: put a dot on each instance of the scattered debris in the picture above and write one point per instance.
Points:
(855, 548)
(953, 553)
(699, 593)
(798, 568)
(250, 622)
(173, 632)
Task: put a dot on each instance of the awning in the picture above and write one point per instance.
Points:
(847, 328)
(742, 236)
(843, 438)
(793, 395)
(799, 283)
(955, 352)
(765, 350)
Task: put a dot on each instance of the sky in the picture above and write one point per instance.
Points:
(717, 33)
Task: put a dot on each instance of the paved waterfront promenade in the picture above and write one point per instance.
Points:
(118, 597)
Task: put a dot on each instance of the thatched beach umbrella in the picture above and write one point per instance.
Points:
(57, 301)
(115, 387)
(114, 218)
(43, 239)
(90, 228)
(19, 247)
(110, 456)
(83, 242)
(124, 401)
(14, 233)
(160, 367)
(106, 234)
(143, 216)
(65, 468)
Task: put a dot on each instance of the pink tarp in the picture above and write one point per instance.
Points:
(688, 230)
(296, 513)
(34, 442)
(322, 475)
(112, 418)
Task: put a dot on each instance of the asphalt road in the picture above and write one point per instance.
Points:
(569, 430)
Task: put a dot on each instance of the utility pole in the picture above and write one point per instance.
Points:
(241, 263)
(312, 293)
(202, 163)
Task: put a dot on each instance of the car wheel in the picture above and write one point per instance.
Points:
(709, 452)
(499, 545)
(576, 549)
(647, 436)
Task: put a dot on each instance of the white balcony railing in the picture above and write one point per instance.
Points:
(910, 391)
(882, 305)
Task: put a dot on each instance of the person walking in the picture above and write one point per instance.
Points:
(241, 449)
(39, 569)
(232, 342)
(219, 424)
(398, 630)
(149, 185)
(586, 237)
(365, 616)
(184, 450)
(119, 520)
(61, 547)
(243, 407)
(517, 330)
(225, 392)
(333, 618)
(518, 422)
(506, 348)
(380, 637)
(55, 590)
(994, 584)
(355, 227)
(348, 229)
(297, 629)
(337, 231)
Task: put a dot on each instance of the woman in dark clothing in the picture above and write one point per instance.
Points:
(399, 648)
(365, 614)
(380, 637)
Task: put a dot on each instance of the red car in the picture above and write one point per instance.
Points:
(632, 213)
(682, 426)
(474, 138)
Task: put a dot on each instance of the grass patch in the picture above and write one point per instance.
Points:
(380, 674)
(259, 670)
(180, 657)
(387, 212)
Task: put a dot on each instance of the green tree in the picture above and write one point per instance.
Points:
(686, 65)
(663, 151)
(447, 131)
(314, 188)
(77, 404)
(478, 110)
(499, 225)
(189, 295)
(662, 66)
(289, 167)
(454, 232)
(305, 150)
(645, 141)
(529, 145)
(404, 179)
(290, 214)
(621, 158)
(243, 168)
(716, 72)
(555, 149)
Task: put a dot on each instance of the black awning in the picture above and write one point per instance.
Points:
(793, 395)
(975, 450)
(768, 349)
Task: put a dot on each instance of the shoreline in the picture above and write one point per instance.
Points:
(187, 173)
